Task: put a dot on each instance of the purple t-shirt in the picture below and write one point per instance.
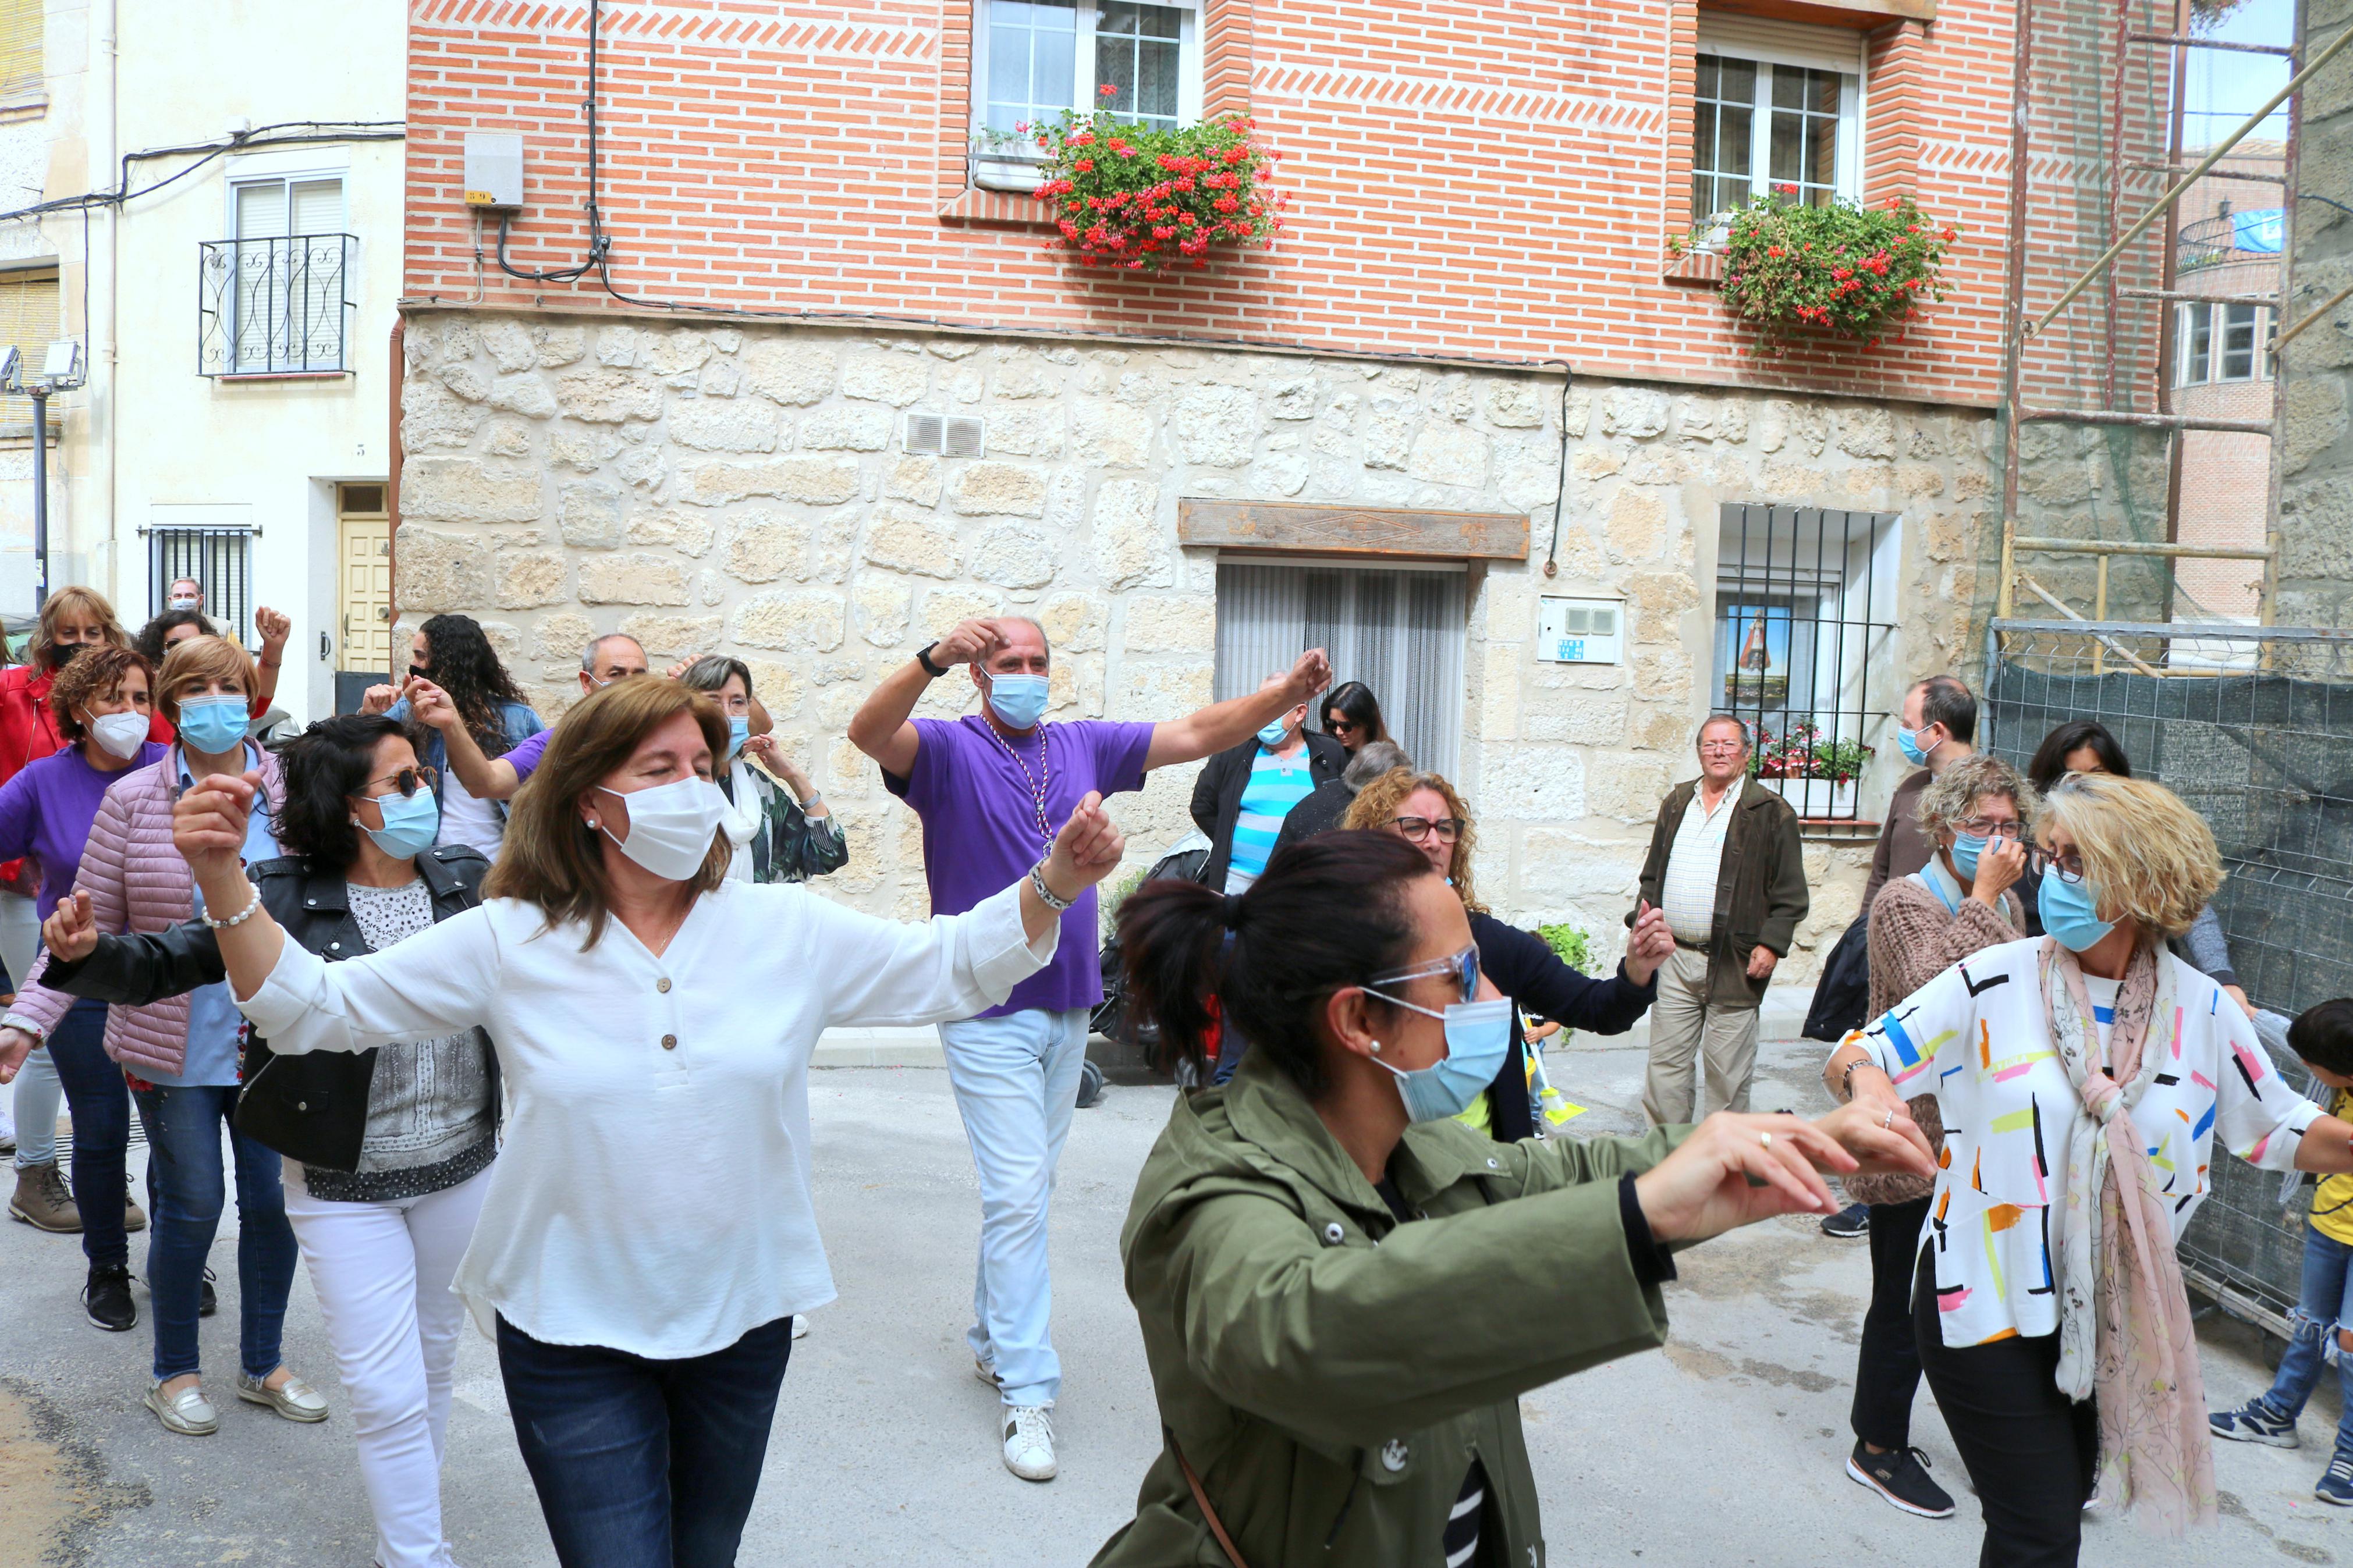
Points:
(981, 831)
(46, 812)
(526, 756)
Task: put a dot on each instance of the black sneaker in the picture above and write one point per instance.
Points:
(207, 1303)
(1853, 1221)
(1900, 1475)
(107, 1297)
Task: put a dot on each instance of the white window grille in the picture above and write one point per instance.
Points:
(1034, 59)
(1399, 631)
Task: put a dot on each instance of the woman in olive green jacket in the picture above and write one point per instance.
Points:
(1344, 1291)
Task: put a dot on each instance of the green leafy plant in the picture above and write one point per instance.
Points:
(1571, 945)
(1792, 271)
(1800, 753)
(1141, 199)
(1111, 896)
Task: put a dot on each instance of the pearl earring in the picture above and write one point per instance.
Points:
(1376, 1047)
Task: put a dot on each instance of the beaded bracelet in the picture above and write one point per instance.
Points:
(240, 917)
(1045, 894)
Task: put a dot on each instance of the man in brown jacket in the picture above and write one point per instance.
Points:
(1726, 868)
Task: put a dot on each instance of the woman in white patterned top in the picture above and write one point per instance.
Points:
(2084, 1079)
(390, 1149)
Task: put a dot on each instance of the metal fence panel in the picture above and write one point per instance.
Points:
(2254, 727)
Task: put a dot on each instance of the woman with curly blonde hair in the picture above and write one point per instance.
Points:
(1427, 812)
(2084, 1079)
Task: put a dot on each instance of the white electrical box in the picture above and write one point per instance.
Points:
(1580, 631)
(946, 436)
(494, 170)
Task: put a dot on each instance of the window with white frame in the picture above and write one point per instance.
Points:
(1778, 108)
(1034, 59)
(285, 283)
(2224, 341)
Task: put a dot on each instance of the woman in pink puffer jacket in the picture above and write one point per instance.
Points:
(185, 1055)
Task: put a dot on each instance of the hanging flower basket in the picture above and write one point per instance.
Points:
(1142, 199)
(1794, 272)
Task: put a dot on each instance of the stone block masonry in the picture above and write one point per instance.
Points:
(745, 489)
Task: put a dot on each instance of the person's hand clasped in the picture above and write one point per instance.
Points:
(1087, 849)
(16, 1045)
(209, 822)
(1309, 676)
(379, 699)
(275, 626)
(431, 704)
(70, 933)
(1648, 944)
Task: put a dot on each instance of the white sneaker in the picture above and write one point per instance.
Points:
(801, 1325)
(1029, 1441)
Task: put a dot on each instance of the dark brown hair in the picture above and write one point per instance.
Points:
(93, 674)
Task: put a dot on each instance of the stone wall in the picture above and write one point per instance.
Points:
(2316, 515)
(743, 489)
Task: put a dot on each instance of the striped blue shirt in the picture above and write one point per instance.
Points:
(1276, 785)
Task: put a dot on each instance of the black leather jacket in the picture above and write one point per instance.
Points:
(312, 1108)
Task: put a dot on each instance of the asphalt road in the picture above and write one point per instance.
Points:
(1725, 1448)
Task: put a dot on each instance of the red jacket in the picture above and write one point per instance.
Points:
(28, 731)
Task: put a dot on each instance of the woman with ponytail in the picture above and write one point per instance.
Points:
(1338, 1282)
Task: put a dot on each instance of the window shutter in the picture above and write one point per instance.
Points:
(262, 209)
(20, 47)
(1781, 43)
(28, 323)
(318, 207)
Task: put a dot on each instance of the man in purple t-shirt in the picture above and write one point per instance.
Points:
(992, 788)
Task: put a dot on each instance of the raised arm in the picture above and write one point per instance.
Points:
(275, 627)
(133, 969)
(883, 726)
(1230, 722)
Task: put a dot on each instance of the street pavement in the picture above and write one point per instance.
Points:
(1725, 1448)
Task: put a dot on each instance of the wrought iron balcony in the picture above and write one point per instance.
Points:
(2252, 235)
(274, 307)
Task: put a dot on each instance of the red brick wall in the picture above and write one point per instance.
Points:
(1465, 179)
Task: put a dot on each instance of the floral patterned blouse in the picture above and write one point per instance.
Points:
(1979, 1038)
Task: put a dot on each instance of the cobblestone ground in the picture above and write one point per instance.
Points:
(1726, 1448)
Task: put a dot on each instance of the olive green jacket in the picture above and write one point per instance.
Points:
(1329, 1372)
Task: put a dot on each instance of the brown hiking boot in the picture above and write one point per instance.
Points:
(133, 1216)
(43, 1200)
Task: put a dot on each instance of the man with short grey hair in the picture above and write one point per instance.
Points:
(1727, 871)
(614, 656)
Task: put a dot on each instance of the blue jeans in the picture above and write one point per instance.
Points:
(640, 1463)
(1016, 1082)
(184, 1155)
(2324, 1304)
(99, 1103)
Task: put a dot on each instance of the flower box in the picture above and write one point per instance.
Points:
(1816, 799)
(1793, 272)
(1139, 198)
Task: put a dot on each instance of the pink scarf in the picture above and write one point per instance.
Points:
(2121, 1283)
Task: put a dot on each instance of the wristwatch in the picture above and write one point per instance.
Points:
(924, 658)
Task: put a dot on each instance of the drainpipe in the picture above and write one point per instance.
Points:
(103, 422)
(396, 374)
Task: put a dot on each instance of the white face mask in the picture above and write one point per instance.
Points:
(670, 825)
(121, 733)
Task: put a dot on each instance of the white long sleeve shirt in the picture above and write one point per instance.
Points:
(652, 1194)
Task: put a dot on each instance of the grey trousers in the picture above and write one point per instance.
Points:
(1685, 1032)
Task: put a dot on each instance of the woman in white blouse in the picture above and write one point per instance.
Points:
(637, 997)
(2085, 1079)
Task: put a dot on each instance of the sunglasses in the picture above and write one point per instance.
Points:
(407, 780)
(2067, 868)
(1464, 968)
(1339, 726)
(1447, 828)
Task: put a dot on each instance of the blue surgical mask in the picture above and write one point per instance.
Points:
(214, 725)
(1272, 733)
(2071, 913)
(1909, 743)
(1019, 700)
(739, 730)
(1966, 851)
(410, 825)
(1477, 1035)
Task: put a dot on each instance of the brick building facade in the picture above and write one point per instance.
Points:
(713, 453)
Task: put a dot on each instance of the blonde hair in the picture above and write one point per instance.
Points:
(1377, 804)
(72, 600)
(2151, 858)
(193, 662)
(1946, 802)
(552, 858)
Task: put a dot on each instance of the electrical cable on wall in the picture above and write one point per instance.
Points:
(307, 134)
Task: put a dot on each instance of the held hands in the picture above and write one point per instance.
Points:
(968, 642)
(70, 933)
(1761, 960)
(1086, 850)
(1999, 866)
(1737, 1169)
(209, 822)
(1648, 944)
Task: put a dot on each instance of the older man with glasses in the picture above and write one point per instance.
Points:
(1726, 868)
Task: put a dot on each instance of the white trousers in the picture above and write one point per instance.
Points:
(38, 1093)
(382, 1272)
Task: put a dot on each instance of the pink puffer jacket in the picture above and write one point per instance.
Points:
(136, 882)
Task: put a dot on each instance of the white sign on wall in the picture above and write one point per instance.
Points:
(1580, 631)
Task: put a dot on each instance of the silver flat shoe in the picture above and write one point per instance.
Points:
(295, 1399)
(188, 1412)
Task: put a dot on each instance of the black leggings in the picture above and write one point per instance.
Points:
(2032, 1452)
(1887, 1367)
